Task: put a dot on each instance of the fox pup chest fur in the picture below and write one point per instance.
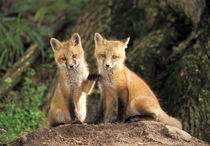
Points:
(133, 94)
(73, 84)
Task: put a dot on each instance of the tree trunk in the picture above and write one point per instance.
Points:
(188, 82)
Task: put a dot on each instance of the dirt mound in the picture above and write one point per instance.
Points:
(140, 132)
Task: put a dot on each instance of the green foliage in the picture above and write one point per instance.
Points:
(21, 111)
(47, 11)
(12, 33)
(15, 33)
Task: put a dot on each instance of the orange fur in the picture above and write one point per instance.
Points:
(73, 83)
(134, 94)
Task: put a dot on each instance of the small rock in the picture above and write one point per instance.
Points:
(177, 133)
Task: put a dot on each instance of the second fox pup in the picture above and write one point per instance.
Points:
(134, 95)
(74, 84)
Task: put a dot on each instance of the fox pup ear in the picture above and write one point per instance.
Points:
(98, 39)
(55, 44)
(75, 40)
(126, 41)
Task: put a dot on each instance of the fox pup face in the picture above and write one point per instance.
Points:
(68, 54)
(109, 54)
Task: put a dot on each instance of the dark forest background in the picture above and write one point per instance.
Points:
(169, 49)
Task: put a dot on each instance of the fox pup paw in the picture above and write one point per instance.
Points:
(94, 77)
(76, 121)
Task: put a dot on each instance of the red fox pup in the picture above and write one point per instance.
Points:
(74, 84)
(133, 94)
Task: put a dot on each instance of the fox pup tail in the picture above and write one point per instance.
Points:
(168, 120)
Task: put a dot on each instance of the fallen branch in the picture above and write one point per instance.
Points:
(13, 75)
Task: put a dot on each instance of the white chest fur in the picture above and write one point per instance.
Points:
(77, 76)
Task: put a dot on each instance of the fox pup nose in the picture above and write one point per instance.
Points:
(107, 65)
(71, 66)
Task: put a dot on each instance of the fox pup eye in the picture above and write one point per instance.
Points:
(74, 55)
(114, 56)
(103, 55)
(63, 58)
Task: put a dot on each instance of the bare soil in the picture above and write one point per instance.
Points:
(134, 132)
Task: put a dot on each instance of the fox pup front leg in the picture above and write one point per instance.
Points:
(104, 105)
(110, 103)
(101, 106)
(88, 84)
(122, 105)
